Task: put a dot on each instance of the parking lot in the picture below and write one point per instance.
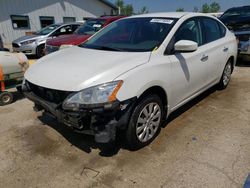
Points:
(206, 143)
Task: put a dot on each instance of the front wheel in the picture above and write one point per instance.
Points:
(6, 98)
(226, 76)
(145, 122)
(40, 51)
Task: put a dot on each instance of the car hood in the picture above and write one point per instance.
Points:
(76, 68)
(28, 37)
(73, 39)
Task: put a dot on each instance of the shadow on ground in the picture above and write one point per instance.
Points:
(241, 63)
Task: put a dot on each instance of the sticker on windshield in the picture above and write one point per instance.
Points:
(97, 25)
(165, 21)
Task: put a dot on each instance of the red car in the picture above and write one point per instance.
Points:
(89, 28)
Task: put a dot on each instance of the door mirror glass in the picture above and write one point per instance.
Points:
(185, 46)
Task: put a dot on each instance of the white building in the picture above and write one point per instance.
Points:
(17, 17)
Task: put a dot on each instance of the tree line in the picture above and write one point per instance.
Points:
(206, 8)
(128, 9)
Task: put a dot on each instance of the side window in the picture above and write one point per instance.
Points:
(222, 30)
(63, 30)
(211, 29)
(189, 30)
(74, 27)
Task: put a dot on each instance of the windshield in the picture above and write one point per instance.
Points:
(237, 12)
(90, 27)
(47, 29)
(134, 34)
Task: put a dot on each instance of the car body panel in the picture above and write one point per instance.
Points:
(77, 73)
(73, 39)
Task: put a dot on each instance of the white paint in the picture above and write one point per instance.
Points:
(182, 76)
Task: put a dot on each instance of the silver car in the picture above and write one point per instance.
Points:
(35, 44)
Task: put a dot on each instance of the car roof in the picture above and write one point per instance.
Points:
(169, 14)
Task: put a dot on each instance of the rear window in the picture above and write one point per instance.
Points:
(90, 27)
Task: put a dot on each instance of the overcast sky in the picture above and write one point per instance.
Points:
(188, 5)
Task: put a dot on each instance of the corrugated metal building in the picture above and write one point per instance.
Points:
(20, 16)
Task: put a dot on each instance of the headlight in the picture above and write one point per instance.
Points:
(99, 94)
(28, 42)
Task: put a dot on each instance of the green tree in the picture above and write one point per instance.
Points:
(180, 10)
(124, 9)
(143, 10)
(128, 10)
(214, 7)
(205, 8)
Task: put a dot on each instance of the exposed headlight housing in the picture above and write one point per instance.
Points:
(100, 94)
(28, 42)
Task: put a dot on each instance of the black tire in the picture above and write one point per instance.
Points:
(226, 76)
(40, 51)
(132, 140)
(6, 98)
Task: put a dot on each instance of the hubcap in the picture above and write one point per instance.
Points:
(5, 99)
(148, 122)
(227, 74)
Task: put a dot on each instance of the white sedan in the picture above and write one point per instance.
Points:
(132, 74)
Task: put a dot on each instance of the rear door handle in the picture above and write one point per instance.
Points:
(225, 49)
(204, 58)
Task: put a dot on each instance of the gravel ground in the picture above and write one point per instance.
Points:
(205, 144)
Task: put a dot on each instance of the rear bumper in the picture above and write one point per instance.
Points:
(100, 122)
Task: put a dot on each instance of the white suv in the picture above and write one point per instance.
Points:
(132, 74)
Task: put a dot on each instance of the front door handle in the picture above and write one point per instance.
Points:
(204, 58)
(225, 49)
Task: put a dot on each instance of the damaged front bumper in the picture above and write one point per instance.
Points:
(100, 121)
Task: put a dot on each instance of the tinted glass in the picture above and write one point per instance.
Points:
(134, 34)
(222, 30)
(211, 29)
(189, 30)
(47, 29)
(90, 27)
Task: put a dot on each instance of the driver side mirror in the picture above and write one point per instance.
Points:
(185, 46)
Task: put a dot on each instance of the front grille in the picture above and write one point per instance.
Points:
(244, 37)
(49, 49)
(15, 45)
(50, 95)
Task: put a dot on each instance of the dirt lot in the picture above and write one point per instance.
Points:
(205, 144)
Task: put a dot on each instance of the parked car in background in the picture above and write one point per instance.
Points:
(132, 74)
(237, 19)
(35, 44)
(90, 27)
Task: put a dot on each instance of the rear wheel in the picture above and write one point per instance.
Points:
(145, 122)
(6, 98)
(226, 76)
